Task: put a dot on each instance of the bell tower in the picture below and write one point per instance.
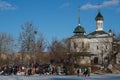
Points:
(99, 21)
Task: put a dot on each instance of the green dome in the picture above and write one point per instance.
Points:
(99, 16)
(79, 29)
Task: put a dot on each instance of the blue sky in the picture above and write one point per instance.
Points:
(57, 18)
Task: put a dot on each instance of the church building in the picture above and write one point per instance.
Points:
(95, 47)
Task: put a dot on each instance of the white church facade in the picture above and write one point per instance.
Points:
(95, 47)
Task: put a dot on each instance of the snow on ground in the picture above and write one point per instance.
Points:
(36, 77)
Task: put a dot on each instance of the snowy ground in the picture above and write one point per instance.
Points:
(36, 77)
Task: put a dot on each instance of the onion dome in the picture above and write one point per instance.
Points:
(110, 31)
(79, 29)
(99, 16)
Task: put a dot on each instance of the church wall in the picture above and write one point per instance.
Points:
(101, 47)
(79, 44)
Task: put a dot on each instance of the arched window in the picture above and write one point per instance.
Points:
(96, 60)
(88, 45)
(97, 47)
(74, 45)
(106, 47)
(82, 44)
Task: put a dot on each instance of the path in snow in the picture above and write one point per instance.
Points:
(92, 77)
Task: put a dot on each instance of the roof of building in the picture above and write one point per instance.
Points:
(79, 36)
(79, 29)
(99, 16)
(79, 32)
(98, 32)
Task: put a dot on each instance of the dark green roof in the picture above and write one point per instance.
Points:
(98, 32)
(99, 16)
(79, 29)
(79, 36)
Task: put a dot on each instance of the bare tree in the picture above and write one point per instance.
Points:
(6, 43)
(39, 49)
(118, 37)
(58, 51)
(27, 39)
(6, 47)
(31, 43)
(40, 44)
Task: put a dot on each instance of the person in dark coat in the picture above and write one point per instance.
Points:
(78, 72)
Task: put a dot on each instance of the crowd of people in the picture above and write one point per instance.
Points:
(45, 69)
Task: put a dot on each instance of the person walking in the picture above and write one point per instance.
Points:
(78, 72)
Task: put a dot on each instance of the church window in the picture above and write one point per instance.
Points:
(97, 47)
(75, 45)
(96, 60)
(82, 44)
(88, 45)
(106, 47)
